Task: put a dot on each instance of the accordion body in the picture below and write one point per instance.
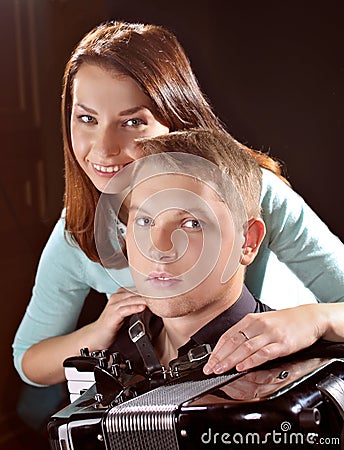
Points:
(294, 402)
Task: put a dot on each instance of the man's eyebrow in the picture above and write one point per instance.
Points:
(133, 208)
(196, 212)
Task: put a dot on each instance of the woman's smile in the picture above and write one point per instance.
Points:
(106, 171)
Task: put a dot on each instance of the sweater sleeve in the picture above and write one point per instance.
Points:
(57, 297)
(300, 240)
(64, 278)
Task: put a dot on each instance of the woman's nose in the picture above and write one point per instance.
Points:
(108, 142)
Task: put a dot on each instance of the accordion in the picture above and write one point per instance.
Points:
(293, 402)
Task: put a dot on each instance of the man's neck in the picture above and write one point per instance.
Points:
(177, 330)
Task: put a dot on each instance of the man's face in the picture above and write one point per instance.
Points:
(180, 236)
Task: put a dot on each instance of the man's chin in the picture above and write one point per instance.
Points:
(166, 308)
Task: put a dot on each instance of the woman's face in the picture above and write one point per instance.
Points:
(109, 111)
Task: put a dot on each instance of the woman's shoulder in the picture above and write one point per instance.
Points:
(277, 195)
(60, 243)
(274, 185)
(64, 258)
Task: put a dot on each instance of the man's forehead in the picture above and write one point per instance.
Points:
(168, 183)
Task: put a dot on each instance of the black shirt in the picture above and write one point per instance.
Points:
(208, 334)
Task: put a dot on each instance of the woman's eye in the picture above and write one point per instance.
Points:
(134, 123)
(86, 119)
(192, 224)
(144, 221)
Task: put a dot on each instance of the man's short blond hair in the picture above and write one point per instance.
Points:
(221, 149)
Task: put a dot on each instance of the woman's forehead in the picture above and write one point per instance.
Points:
(92, 80)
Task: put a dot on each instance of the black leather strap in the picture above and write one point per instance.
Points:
(195, 357)
(137, 334)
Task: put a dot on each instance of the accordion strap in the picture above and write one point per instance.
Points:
(144, 346)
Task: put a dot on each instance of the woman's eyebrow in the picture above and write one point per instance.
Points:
(126, 112)
(133, 110)
(87, 109)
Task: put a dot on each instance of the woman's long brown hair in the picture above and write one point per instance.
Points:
(153, 57)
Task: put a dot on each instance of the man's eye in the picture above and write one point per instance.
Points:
(144, 221)
(192, 224)
(134, 122)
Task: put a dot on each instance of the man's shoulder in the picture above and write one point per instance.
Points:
(262, 307)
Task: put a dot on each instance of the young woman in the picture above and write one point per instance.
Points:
(126, 81)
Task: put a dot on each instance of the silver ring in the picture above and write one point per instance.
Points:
(244, 334)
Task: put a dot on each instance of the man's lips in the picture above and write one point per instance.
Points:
(163, 279)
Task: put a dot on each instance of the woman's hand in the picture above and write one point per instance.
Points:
(120, 305)
(43, 362)
(258, 338)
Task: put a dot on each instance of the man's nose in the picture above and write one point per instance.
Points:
(162, 248)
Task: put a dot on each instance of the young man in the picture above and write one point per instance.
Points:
(193, 225)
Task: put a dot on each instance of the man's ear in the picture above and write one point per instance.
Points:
(254, 236)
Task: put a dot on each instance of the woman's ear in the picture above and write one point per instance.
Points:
(254, 236)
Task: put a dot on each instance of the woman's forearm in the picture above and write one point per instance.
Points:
(274, 334)
(331, 318)
(43, 362)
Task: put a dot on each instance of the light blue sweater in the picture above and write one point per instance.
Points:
(295, 235)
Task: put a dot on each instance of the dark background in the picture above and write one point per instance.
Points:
(273, 72)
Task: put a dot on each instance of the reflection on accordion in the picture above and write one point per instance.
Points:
(293, 402)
